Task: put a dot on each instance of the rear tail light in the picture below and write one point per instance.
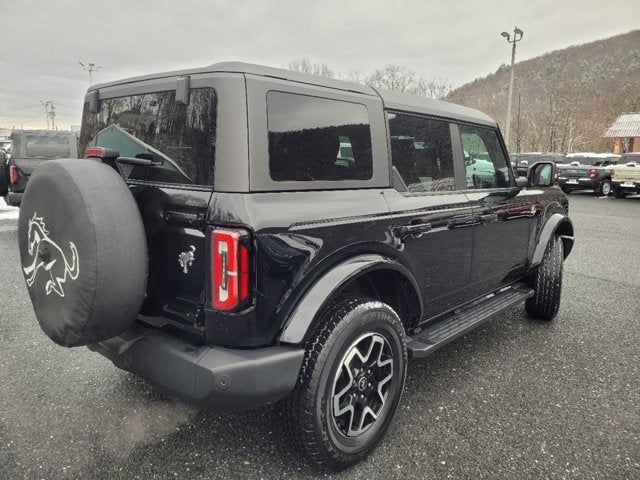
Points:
(593, 172)
(230, 269)
(100, 152)
(14, 175)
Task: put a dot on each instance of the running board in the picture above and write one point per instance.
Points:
(456, 324)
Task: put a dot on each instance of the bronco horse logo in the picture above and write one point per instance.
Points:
(48, 256)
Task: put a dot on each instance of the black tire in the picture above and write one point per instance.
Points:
(618, 193)
(566, 190)
(547, 283)
(83, 251)
(605, 187)
(308, 411)
(4, 177)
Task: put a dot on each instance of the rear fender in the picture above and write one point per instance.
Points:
(320, 294)
(557, 224)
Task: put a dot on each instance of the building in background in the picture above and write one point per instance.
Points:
(626, 133)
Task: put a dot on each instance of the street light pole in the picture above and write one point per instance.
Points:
(517, 36)
(90, 67)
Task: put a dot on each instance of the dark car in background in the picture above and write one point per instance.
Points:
(522, 161)
(31, 148)
(587, 171)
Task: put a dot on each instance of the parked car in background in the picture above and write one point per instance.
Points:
(626, 176)
(522, 161)
(30, 149)
(587, 171)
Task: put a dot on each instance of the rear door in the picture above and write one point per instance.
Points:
(432, 221)
(180, 137)
(502, 211)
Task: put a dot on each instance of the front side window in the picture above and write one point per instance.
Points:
(421, 153)
(312, 139)
(485, 163)
(180, 139)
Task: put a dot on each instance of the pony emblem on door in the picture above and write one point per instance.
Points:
(49, 257)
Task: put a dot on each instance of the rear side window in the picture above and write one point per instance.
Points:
(181, 139)
(421, 152)
(47, 146)
(313, 139)
(485, 163)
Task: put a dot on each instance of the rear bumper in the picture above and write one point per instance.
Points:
(581, 183)
(211, 377)
(626, 185)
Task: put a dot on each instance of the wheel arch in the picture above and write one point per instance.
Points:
(373, 275)
(556, 224)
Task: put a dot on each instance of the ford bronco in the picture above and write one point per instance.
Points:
(241, 236)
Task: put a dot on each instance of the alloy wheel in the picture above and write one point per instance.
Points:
(362, 384)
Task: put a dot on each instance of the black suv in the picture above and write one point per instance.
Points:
(241, 235)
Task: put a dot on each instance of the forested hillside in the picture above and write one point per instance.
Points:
(563, 101)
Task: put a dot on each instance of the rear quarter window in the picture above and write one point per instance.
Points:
(313, 139)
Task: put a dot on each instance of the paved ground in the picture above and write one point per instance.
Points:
(516, 399)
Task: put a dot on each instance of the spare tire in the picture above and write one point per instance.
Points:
(83, 251)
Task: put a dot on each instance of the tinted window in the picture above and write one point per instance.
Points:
(485, 162)
(181, 139)
(421, 152)
(47, 146)
(314, 138)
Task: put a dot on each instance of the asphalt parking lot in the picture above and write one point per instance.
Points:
(514, 399)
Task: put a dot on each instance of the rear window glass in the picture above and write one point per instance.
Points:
(181, 139)
(314, 139)
(47, 146)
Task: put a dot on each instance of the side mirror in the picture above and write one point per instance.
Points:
(541, 174)
(522, 182)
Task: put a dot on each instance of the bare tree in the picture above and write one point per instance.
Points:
(304, 65)
(391, 77)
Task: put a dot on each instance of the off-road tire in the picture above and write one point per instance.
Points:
(547, 283)
(308, 419)
(605, 187)
(619, 193)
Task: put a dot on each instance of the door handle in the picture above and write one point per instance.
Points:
(413, 230)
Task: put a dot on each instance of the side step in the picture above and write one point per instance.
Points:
(456, 324)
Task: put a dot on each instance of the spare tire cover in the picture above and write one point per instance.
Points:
(83, 251)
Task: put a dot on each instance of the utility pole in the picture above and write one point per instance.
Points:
(518, 128)
(90, 67)
(53, 115)
(46, 110)
(517, 36)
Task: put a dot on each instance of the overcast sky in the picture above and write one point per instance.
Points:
(455, 40)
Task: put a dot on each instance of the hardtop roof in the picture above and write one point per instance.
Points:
(392, 100)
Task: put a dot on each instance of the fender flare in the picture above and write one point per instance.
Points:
(323, 290)
(555, 222)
